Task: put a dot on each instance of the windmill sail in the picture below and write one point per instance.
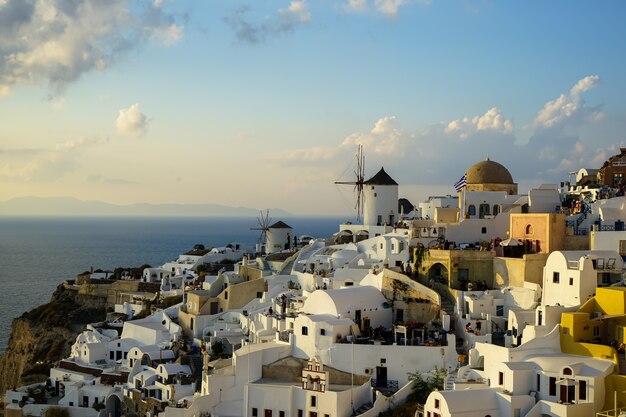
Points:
(358, 183)
(264, 221)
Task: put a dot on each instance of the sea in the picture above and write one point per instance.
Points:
(39, 253)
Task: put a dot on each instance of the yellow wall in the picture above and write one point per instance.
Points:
(611, 300)
(615, 383)
(516, 271)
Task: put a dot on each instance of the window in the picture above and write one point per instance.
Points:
(226, 295)
(499, 311)
(571, 281)
(496, 209)
(313, 401)
(255, 412)
(471, 210)
(281, 413)
(305, 331)
(500, 378)
(552, 386)
(617, 178)
(300, 413)
(322, 332)
(268, 413)
(381, 245)
(555, 277)
(567, 371)
(401, 246)
(538, 383)
(436, 403)
(582, 390)
(622, 248)
(259, 294)
(596, 331)
(529, 229)
(483, 230)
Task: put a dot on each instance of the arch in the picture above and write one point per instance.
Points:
(484, 210)
(438, 273)
(113, 406)
(529, 229)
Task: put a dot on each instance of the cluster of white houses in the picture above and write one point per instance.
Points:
(519, 298)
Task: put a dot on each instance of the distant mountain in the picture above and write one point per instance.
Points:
(69, 206)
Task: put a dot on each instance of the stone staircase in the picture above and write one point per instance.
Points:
(365, 407)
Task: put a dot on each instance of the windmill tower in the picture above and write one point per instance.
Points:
(358, 183)
(264, 221)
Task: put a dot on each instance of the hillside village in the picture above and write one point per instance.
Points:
(517, 300)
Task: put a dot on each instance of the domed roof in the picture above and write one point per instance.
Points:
(488, 172)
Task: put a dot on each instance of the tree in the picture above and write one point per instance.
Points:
(57, 412)
(424, 384)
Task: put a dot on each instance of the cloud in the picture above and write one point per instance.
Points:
(57, 41)
(569, 107)
(100, 179)
(356, 5)
(388, 8)
(43, 164)
(492, 120)
(285, 21)
(132, 122)
(385, 138)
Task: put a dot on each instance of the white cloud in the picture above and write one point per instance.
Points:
(169, 35)
(132, 122)
(569, 106)
(285, 21)
(492, 120)
(389, 7)
(297, 11)
(43, 164)
(56, 42)
(356, 5)
(385, 138)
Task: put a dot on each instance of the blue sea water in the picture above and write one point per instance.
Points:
(37, 254)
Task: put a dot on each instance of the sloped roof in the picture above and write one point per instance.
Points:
(381, 178)
(279, 225)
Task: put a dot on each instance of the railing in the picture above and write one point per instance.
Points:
(387, 383)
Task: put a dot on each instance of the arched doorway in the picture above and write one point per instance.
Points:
(438, 273)
(113, 406)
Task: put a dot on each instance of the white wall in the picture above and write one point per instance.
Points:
(380, 200)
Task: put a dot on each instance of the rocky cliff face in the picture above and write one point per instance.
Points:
(45, 334)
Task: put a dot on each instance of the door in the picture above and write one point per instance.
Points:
(381, 376)
(357, 318)
(268, 413)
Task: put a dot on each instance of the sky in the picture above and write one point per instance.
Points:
(263, 103)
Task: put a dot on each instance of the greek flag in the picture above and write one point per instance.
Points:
(460, 184)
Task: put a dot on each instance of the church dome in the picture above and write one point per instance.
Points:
(488, 172)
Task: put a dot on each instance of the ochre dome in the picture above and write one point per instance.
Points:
(488, 172)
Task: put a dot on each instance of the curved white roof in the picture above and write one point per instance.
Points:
(481, 399)
(340, 301)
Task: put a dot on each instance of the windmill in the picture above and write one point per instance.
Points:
(358, 183)
(264, 220)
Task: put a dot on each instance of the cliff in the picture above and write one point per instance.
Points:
(44, 335)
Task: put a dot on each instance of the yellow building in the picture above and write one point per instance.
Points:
(539, 232)
(597, 330)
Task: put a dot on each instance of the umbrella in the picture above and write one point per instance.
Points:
(510, 242)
